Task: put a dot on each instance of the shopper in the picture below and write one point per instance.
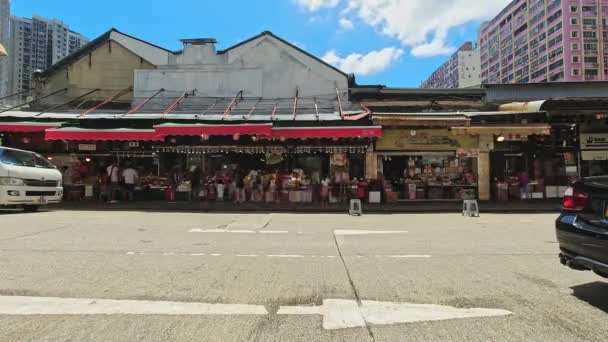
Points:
(114, 182)
(130, 178)
(325, 192)
(172, 182)
(524, 180)
(240, 188)
(195, 181)
(220, 190)
(68, 181)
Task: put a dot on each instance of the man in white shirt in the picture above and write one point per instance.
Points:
(113, 182)
(130, 177)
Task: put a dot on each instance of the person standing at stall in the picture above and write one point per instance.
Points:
(114, 182)
(195, 181)
(172, 183)
(130, 177)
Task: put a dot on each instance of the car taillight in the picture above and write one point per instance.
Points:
(574, 200)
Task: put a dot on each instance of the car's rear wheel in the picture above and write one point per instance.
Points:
(30, 208)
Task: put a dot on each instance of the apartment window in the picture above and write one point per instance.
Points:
(591, 72)
(587, 21)
(573, 9)
(590, 46)
(589, 34)
(590, 59)
(576, 72)
(574, 46)
(576, 59)
(573, 21)
(574, 34)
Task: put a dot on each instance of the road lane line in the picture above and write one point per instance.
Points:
(285, 256)
(247, 255)
(17, 305)
(410, 256)
(239, 231)
(367, 232)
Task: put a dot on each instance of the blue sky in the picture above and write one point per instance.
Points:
(391, 42)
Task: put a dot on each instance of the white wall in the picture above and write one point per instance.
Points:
(264, 67)
(469, 68)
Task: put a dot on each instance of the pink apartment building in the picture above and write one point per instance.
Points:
(534, 41)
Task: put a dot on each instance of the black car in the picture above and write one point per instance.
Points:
(582, 228)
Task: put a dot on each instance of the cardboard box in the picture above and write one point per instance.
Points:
(375, 197)
(392, 197)
(538, 195)
(551, 191)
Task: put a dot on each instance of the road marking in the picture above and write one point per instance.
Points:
(77, 306)
(343, 314)
(240, 231)
(410, 256)
(337, 313)
(277, 255)
(368, 232)
(285, 256)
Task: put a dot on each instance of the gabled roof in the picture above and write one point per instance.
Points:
(94, 45)
(270, 34)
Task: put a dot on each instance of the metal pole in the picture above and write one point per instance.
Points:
(65, 103)
(14, 94)
(108, 100)
(34, 100)
(136, 109)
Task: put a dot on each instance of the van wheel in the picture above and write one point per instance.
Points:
(30, 208)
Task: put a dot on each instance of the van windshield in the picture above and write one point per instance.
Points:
(22, 158)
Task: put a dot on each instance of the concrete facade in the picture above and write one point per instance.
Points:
(462, 70)
(264, 66)
(108, 65)
(5, 10)
(36, 44)
(546, 41)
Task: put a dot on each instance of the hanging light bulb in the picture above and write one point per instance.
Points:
(204, 137)
(236, 137)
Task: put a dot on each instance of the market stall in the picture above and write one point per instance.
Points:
(427, 164)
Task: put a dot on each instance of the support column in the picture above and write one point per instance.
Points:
(371, 165)
(483, 175)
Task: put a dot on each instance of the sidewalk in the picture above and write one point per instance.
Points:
(532, 206)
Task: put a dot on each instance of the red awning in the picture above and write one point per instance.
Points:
(209, 130)
(102, 134)
(326, 132)
(27, 127)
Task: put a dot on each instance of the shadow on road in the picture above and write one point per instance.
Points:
(596, 294)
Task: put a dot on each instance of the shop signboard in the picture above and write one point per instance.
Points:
(594, 155)
(87, 147)
(594, 141)
(424, 140)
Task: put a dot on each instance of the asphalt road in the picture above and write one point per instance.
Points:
(153, 266)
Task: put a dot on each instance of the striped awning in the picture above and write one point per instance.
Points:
(515, 130)
(326, 132)
(27, 127)
(213, 130)
(121, 134)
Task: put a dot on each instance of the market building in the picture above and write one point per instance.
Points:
(263, 121)
(444, 144)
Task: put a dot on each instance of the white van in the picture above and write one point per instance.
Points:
(28, 180)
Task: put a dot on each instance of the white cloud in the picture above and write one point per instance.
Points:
(315, 5)
(424, 24)
(346, 24)
(368, 64)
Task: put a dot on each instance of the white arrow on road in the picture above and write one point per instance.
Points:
(337, 313)
(342, 314)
